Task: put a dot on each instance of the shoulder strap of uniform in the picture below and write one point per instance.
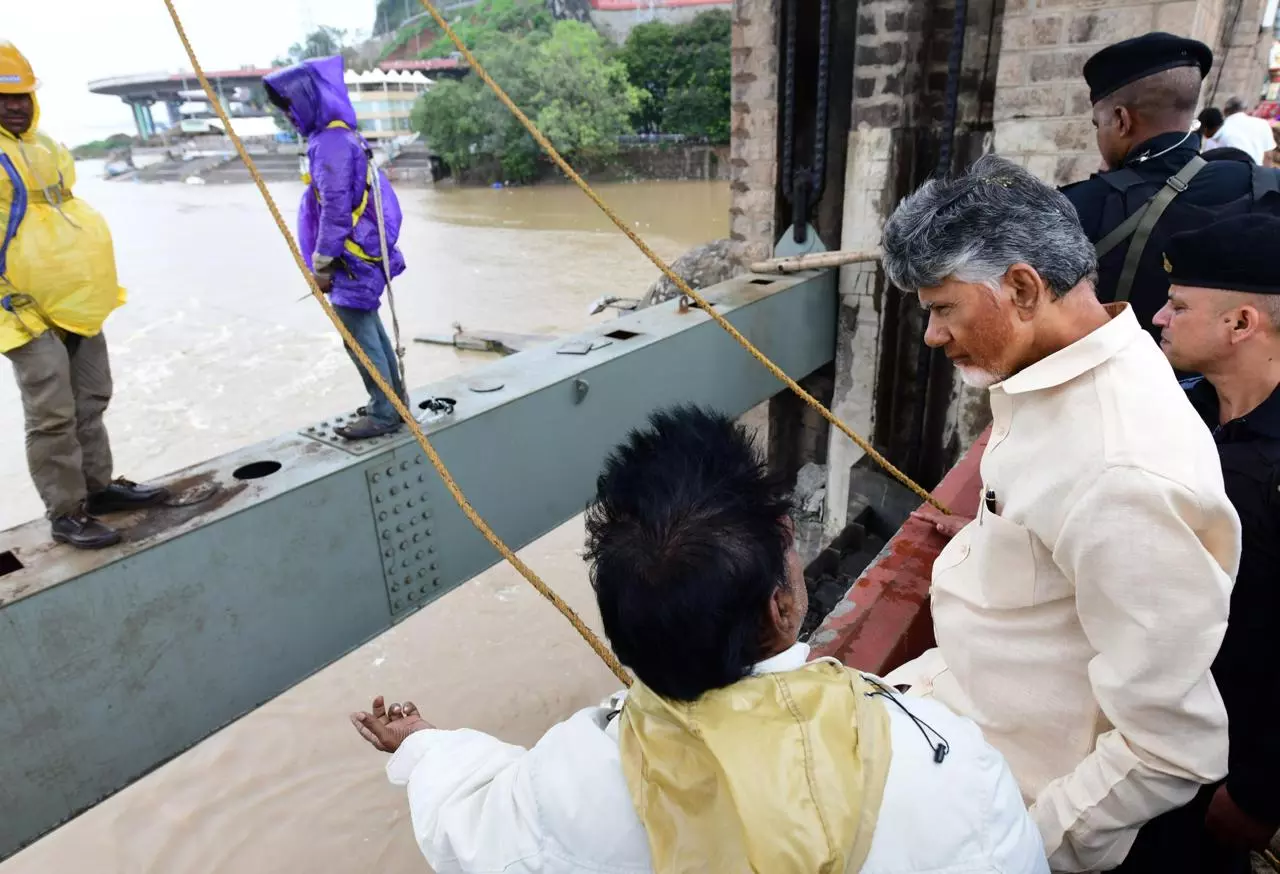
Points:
(1126, 228)
(1143, 222)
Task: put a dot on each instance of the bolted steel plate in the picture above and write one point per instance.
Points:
(403, 520)
(324, 433)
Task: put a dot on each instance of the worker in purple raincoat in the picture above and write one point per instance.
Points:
(338, 222)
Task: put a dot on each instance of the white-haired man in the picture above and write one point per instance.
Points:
(1077, 617)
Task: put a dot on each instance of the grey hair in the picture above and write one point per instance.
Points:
(1234, 105)
(976, 226)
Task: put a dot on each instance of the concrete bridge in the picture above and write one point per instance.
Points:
(242, 86)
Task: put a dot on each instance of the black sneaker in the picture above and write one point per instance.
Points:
(365, 428)
(82, 531)
(124, 495)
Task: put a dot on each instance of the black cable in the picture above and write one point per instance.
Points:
(941, 749)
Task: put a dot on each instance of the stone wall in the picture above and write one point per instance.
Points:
(900, 76)
(677, 161)
(1241, 54)
(1042, 110)
(753, 152)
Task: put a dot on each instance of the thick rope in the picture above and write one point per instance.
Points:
(396, 401)
(684, 287)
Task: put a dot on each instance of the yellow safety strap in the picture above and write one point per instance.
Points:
(370, 179)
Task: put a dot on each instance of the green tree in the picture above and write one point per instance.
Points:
(320, 43)
(647, 55)
(564, 80)
(685, 72)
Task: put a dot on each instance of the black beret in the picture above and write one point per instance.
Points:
(1126, 62)
(1237, 254)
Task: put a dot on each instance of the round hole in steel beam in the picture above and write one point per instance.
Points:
(432, 403)
(257, 469)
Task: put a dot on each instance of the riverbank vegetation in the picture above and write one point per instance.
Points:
(475, 25)
(584, 94)
(564, 78)
(102, 148)
(683, 72)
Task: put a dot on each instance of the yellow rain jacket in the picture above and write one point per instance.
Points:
(57, 264)
(759, 776)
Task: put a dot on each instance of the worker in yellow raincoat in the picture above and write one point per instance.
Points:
(57, 286)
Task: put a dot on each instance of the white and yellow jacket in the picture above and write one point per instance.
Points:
(762, 784)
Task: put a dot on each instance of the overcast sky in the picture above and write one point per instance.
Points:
(92, 39)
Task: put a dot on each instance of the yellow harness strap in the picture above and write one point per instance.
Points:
(370, 179)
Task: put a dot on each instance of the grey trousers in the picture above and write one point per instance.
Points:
(65, 387)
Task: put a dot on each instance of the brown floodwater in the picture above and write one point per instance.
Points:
(213, 351)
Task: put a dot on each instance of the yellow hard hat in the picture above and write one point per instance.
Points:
(16, 75)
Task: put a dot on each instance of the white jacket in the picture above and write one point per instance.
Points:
(480, 805)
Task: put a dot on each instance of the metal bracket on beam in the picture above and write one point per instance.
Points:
(400, 499)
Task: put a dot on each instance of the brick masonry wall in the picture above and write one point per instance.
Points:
(1042, 110)
(1242, 54)
(753, 151)
(900, 72)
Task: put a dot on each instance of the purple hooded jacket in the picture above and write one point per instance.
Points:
(313, 95)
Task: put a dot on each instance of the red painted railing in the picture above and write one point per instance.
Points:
(884, 619)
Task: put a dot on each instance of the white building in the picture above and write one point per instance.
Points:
(383, 100)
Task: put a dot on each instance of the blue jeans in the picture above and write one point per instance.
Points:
(366, 328)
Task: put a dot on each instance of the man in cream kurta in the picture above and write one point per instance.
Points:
(1078, 615)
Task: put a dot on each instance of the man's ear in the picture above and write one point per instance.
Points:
(1124, 120)
(1026, 288)
(781, 616)
(1245, 322)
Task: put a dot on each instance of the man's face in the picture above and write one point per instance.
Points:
(16, 113)
(1195, 327)
(976, 327)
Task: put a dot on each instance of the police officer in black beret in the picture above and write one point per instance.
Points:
(1222, 319)
(1144, 93)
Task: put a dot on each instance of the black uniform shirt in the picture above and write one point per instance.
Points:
(1247, 669)
(1101, 209)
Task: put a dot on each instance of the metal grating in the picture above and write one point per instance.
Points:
(399, 495)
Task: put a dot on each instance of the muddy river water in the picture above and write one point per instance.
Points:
(213, 351)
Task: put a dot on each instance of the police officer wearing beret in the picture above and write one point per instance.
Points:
(1144, 93)
(1222, 319)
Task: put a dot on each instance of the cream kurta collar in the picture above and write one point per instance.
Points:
(1079, 358)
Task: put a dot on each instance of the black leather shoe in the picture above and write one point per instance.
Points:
(124, 495)
(82, 531)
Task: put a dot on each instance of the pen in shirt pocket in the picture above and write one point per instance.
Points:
(990, 501)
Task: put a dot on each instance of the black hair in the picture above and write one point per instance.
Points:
(687, 539)
(1211, 120)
